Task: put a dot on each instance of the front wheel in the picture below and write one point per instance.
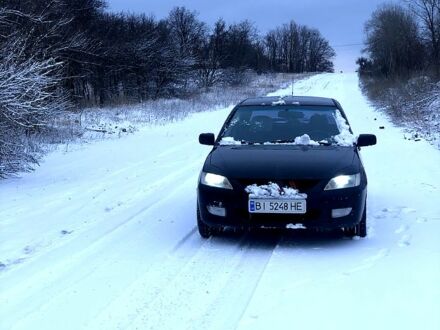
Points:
(360, 229)
(204, 230)
(362, 226)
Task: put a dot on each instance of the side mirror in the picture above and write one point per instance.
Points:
(207, 139)
(365, 140)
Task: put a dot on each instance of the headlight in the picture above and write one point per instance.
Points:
(215, 180)
(344, 181)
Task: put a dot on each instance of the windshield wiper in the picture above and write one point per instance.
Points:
(281, 141)
(322, 142)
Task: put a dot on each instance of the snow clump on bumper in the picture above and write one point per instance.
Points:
(273, 190)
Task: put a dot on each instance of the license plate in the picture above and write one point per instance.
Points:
(277, 206)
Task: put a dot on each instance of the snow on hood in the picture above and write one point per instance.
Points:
(273, 190)
(345, 138)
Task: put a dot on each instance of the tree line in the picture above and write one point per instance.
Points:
(402, 39)
(117, 58)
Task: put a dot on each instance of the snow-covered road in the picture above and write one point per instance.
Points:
(104, 237)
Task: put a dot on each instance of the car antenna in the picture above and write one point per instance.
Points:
(293, 82)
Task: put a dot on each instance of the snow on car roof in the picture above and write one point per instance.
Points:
(289, 100)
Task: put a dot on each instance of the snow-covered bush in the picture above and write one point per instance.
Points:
(29, 98)
(413, 103)
(168, 110)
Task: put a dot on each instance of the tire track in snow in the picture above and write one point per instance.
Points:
(87, 249)
(149, 193)
(194, 289)
(48, 200)
(95, 191)
(185, 239)
(240, 288)
(161, 280)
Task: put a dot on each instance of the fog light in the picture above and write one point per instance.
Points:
(339, 213)
(217, 210)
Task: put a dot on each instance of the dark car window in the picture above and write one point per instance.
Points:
(281, 124)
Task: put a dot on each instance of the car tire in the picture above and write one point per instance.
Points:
(204, 230)
(360, 229)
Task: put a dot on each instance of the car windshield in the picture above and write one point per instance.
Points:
(305, 125)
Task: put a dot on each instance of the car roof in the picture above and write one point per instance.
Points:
(289, 100)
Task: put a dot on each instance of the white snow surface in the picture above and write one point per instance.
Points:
(104, 237)
(273, 190)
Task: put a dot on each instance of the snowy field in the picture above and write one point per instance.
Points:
(104, 237)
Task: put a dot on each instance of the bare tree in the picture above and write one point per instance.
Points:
(186, 30)
(296, 48)
(187, 35)
(320, 53)
(393, 41)
(428, 11)
(212, 56)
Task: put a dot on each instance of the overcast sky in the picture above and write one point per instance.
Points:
(340, 21)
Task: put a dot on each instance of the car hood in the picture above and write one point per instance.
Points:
(282, 162)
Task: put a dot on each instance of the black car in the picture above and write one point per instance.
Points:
(290, 162)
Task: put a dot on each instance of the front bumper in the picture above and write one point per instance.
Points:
(318, 216)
